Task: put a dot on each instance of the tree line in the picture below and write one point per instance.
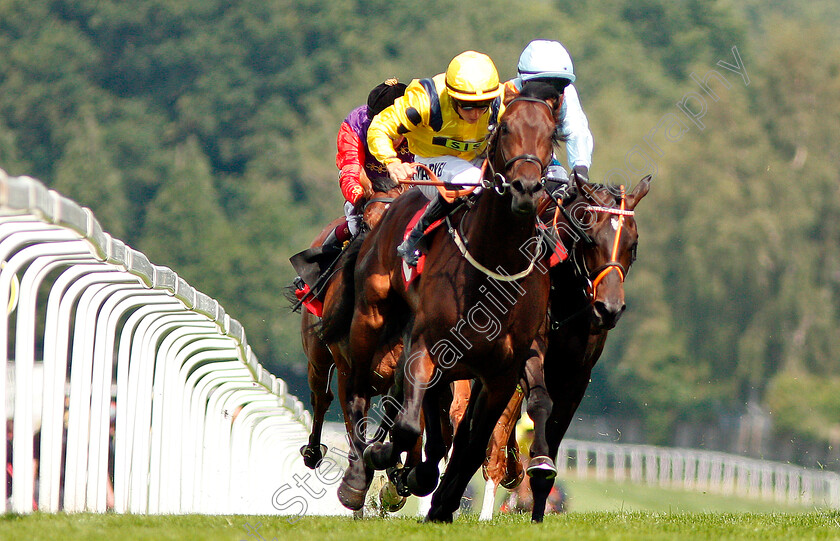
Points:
(203, 134)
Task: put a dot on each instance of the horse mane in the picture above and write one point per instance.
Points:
(539, 90)
(383, 184)
(336, 324)
(378, 185)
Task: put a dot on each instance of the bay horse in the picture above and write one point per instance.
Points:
(379, 193)
(473, 313)
(586, 302)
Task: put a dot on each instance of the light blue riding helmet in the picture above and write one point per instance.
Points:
(544, 58)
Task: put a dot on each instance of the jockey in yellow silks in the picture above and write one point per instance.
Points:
(446, 120)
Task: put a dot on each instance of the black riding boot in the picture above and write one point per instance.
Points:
(437, 209)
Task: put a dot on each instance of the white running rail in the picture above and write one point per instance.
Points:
(198, 426)
(692, 469)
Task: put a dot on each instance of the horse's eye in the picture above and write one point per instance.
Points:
(633, 250)
(503, 129)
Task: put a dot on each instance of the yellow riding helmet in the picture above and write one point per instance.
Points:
(472, 76)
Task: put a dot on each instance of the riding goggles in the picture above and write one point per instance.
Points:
(472, 105)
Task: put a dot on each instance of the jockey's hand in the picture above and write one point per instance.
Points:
(400, 171)
(356, 192)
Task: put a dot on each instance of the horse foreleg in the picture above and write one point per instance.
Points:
(420, 373)
(470, 447)
(357, 477)
(488, 503)
(423, 478)
(541, 468)
(502, 465)
(460, 398)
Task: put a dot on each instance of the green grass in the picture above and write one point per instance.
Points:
(590, 495)
(578, 526)
(599, 510)
(585, 495)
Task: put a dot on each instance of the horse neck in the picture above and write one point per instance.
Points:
(568, 290)
(379, 203)
(567, 286)
(495, 234)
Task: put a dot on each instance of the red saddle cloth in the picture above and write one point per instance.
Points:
(558, 250)
(311, 303)
(409, 272)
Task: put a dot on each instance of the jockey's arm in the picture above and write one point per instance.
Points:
(350, 160)
(392, 123)
(579, 144)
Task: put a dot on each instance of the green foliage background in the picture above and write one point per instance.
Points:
(202, 133)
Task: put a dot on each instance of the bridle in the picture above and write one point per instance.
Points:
(596, 276)
(498, 181)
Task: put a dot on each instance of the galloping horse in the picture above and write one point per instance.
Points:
(586, 301)
(377, 198)
(473, 313)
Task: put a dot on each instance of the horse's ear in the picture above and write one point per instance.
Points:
(638, 192)
(555, 109)
(583, 186)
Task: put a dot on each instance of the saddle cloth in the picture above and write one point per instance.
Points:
(409, 272)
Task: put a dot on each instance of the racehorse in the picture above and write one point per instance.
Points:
(586, 302)
(378, 196)
(474, 312)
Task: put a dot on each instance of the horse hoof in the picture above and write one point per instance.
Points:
(377, 456)
(397, 475)
(351, 498)
(390, 498)
(542, 466)
(423, 479)
(312, 455)
(439, 515)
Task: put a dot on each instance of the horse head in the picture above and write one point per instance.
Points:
(523, 145)
(605, 221)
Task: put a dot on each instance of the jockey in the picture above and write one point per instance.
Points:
(356, 168)
(355, 163)
(549, 62)
(446, 120)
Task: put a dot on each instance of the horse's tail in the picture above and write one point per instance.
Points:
(336, 324)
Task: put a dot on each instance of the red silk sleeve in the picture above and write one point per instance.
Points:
(350, 161)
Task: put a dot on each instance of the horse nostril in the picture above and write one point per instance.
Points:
(518, 186)
(609, 312)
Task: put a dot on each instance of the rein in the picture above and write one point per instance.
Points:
(386, 200)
